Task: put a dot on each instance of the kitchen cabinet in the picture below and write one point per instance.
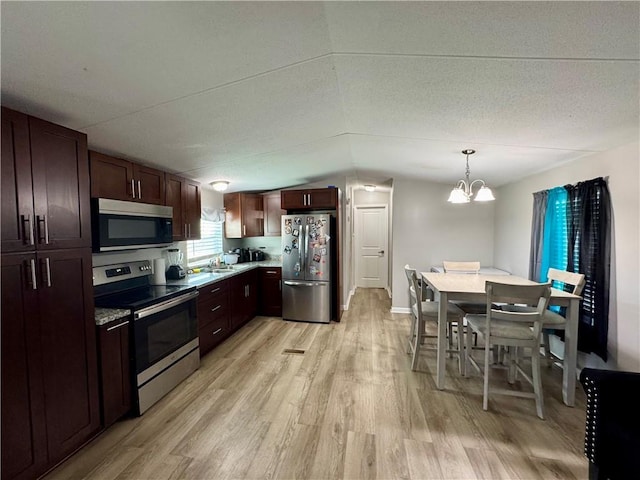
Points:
(120, 179)
(243, 298)
(213, 315)
(115, 370)
(270, 291)
(184, 196)
(244, 215)
(309, 199)
(50, 403)
(45, 185)
(272, 214)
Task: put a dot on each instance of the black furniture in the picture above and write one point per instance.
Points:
(612, 432)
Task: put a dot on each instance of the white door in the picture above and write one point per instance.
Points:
(371, 237)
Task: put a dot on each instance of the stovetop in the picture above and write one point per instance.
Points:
(128, 286)
(141, 297)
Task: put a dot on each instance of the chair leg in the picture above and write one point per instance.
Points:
(450, 337)
(512, 358)
(467, 351)
(547, 348)
(537, 383)
(417, 343)
(461, 354)
(411, 334)
(487, 368)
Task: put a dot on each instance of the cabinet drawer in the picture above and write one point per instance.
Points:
(270, 272)
(212, 334)
(209, 312)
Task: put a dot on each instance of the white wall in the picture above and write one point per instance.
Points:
(514, 207)
(427, 230)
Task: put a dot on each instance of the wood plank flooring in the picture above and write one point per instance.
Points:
(349, 407)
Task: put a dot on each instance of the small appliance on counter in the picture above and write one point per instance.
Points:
(175, 270)
(256, 255)
(243, 254)
(230, 258)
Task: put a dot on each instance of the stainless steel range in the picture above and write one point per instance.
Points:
(164, 331)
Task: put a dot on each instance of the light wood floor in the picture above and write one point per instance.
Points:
(349, 407)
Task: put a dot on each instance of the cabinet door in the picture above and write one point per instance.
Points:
(24, 447)
(293, 199)
(60, 168)
(252, 215)
(111, 177)
(272, 214)
(233, 216)
(251, 280)
(17, 193)
(192, 209)
(68, 349)
(149, 184)
(115, 370)
(175, 195)
(322, 198)
(270, 292)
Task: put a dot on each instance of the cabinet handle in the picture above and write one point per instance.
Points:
(32, 267)
(215, 290)
(139, 190)
(133, 188)
(185, 230)
(216, 308)
(244, 230)
(47, 270)
(189, 229)
(43, 220)
(304, 199)
(118, 326)
(273, 272)
(26, 226)
(280, 284)
(217, 331)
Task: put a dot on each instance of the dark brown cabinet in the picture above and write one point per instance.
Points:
(45, 185)
(184, 196)
(272, 214)
(213, 315)
(49, 377)
(115, 370)
(243, 298)
(244, 215)
(309, 199)
(120, 179)
(270, 291)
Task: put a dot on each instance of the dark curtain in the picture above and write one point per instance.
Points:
(537, 234)
(589, 229)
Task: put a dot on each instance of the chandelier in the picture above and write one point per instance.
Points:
(463, 191)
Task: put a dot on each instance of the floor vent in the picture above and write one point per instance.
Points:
(292, 351)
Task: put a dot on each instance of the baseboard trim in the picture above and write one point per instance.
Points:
(351, 294)
(388, 291)
(400, 310)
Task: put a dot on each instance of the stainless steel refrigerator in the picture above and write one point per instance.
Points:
(306, 267)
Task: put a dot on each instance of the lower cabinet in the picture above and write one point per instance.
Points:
(50, 399)
(213, 315)
(243, 296)
(270, 291)
(115, 370)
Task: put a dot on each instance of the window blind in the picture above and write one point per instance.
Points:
(210, 242)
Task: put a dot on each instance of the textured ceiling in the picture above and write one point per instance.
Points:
(276, 94)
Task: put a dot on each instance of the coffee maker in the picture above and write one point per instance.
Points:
(175, 270)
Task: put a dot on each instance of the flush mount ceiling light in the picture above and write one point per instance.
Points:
(220, 185)
(463, 191)
(369, 188)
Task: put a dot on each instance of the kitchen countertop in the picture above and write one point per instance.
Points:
(108, 315)
(206, 278)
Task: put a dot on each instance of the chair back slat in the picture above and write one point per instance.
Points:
(460, 267)
(569, 278)
(536, 296)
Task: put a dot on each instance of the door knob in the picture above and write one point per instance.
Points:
(381, 252)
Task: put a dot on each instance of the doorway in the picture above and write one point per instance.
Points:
(371, 228)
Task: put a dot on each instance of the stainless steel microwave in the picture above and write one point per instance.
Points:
(119, 225)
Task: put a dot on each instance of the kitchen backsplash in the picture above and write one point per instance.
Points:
(269, 245)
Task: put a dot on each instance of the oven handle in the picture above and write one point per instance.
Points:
(145, 312)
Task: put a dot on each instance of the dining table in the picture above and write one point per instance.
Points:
(471, 287)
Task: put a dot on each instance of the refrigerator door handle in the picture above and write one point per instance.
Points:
(294, 283)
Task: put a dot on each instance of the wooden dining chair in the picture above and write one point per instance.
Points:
(463, 268)
(421, 312)
(513, 329)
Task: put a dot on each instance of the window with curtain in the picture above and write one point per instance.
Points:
(571, 230)
(211, 234)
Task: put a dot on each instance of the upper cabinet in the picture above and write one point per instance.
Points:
(184, 196)
(45, 185)
(120, 179)
(244, 215)
(309, 199)
(272, 214)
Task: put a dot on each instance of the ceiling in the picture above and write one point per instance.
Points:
(273, 94)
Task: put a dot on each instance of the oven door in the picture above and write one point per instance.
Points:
(162, 334)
